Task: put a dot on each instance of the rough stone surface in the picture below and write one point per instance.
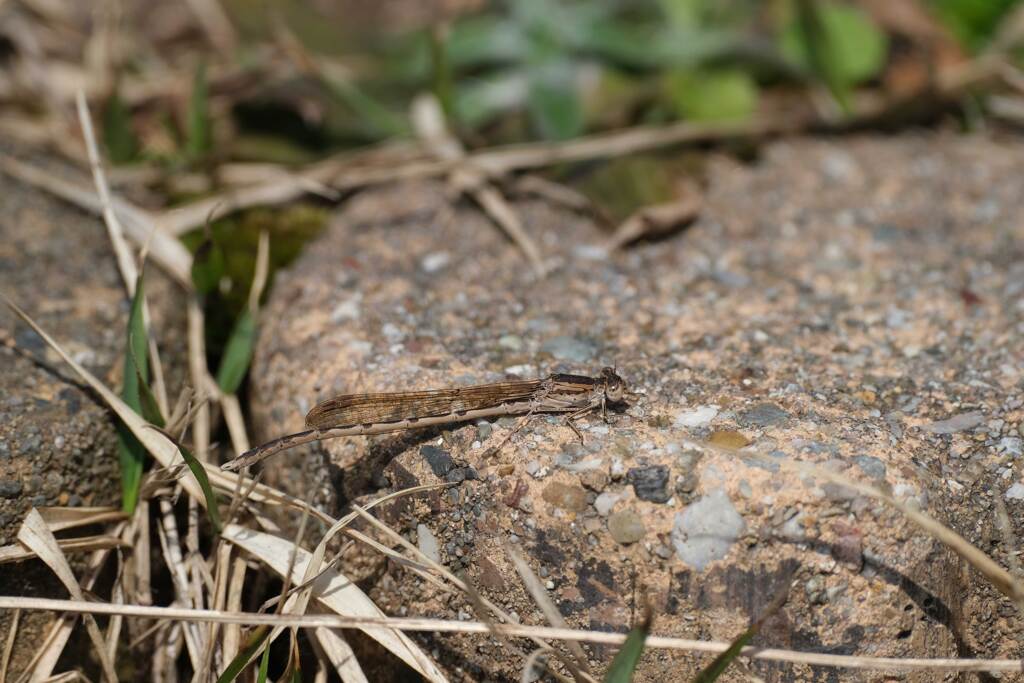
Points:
(57, 443)
(866, 288)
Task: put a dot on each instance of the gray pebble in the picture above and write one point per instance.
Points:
(1011, 445)
(763, 415)
(605, 502)
(572, 349)
(957, 423)
(706, 529)
(871, 466)
(1015, 492)
(440, 461)
(650, 483)
(10, 488)
(427, 542)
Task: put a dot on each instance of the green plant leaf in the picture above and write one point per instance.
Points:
(836, 42)
(237, 665)
(207, 265)
(199, 472)
(261, 676)
(626, 659)
(375, 119)
(148, 403)
(974, 22)
(237, 353)
(553, 102)
(479, 100)
(118, 137)
(485, 40)
(444, 79)
(199, 139)
(131, 453)
(711, 95)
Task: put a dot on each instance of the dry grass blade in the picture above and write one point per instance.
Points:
(17, 552)
(170, 544)
(36, 536)
(232, 632)
(333, 591)
(125, 260)
(123, 253)
(516, 630)
(317, 567)
(657, 220)
(428, 119)
(339, 654)
(62, 518)
(540, 596)
(259, 278)
(52, 644)
(198, 374)
(500, 160)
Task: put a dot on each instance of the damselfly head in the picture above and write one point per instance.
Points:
(614, 386)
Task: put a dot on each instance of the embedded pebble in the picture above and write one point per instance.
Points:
(650, 483)
(698, 417)
(570, 348)
(618, 470)
(605, 502)
(763, 415)
(435, 261)
(427, 543)
(566, 497)
(595, 480)
(1011, 445)
(10, 488)
(871, 466)
(511, 342)
(440, 460)
(957, 423)
(706, 529)
(793, 528)
(626, 526)
(728, 438)
(1015, 492)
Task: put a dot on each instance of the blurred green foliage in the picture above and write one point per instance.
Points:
(529, 69)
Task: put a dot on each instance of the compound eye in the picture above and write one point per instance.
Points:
(614, 393)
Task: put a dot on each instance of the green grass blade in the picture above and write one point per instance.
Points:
(715, 669)
(443, 81)
(376, 119)
(208, 266)
(118, 137)
(150, 409)
(199, 472)
(199, 138)
(237, 353)
(261, 675)
(624, 664)
(131, 453)
(237, 665)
